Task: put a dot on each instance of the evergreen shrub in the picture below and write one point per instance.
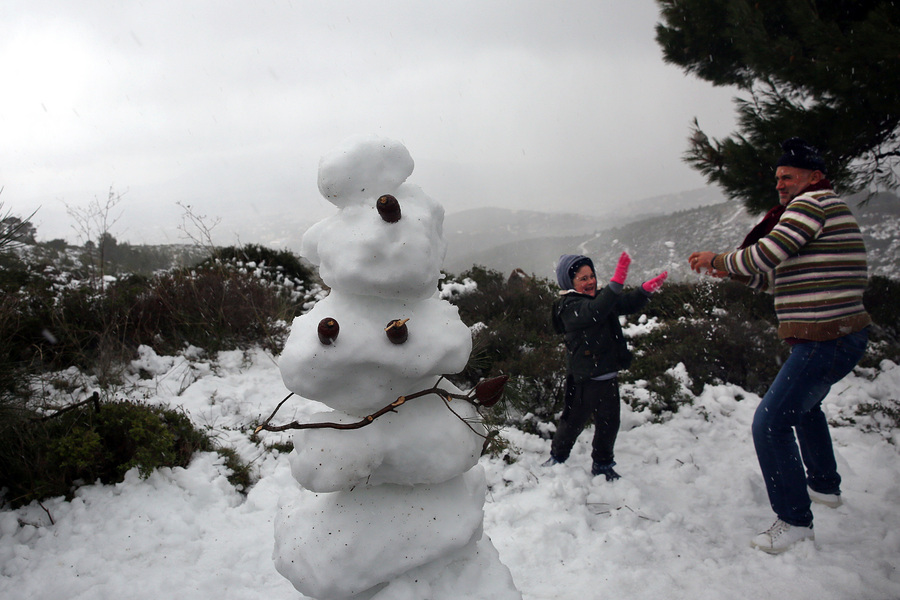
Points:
(513, 336)
(726, 348)
(53, 321)
(44, 456)
(881, 300)
(211, 308)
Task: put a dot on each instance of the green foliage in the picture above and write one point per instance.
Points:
(880, 415)
(662, 395)
(283, 261)
(46, 456)
(824, 71)
(14, 231)
(681, 300)
(514, 338)
(884, 338)
(240, 473)
(727, 347)
(214, 309)
(122, 257)
(721, 331)
(880, 300)
(50, 321)
(78, 451)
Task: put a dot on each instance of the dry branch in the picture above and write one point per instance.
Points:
(476, 397)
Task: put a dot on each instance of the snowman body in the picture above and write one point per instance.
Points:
(393, 509)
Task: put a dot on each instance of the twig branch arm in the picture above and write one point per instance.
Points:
(362, 423)
(486, 393)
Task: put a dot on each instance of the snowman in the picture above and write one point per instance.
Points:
(389, 507)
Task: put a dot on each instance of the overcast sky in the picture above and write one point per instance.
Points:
(228, 106)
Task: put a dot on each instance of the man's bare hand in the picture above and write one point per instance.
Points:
(703, 260)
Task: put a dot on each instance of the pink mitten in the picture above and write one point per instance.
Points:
(621, 269)
(655, 283)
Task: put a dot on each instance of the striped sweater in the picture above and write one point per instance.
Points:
(814, 262)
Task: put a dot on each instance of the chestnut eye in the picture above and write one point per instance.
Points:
(388, 208)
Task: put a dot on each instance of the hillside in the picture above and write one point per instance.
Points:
(495, 236)
(659, 242)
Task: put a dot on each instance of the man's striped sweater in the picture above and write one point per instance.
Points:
(814, 262)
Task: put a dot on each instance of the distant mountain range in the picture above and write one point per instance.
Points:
(659, 233)
(532, 241)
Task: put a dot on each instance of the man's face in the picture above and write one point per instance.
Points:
(791, 181)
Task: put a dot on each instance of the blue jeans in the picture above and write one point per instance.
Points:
(794, 402)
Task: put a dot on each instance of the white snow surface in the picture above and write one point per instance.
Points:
(677, 525)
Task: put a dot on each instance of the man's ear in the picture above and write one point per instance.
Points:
(816, 176)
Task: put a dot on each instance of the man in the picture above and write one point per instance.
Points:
(809, 253)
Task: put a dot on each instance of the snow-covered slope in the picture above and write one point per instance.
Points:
(676, 525)
(660, 242)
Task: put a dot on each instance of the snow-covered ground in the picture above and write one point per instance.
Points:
(677, 525)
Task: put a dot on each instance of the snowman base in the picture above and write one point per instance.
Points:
(353, 543)
(473, 572)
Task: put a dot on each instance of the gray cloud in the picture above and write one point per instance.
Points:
(228, 106)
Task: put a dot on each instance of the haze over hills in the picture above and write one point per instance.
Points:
(656, 243)
(474, 236)
(658, 232)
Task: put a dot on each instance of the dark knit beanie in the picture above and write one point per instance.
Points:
(799, 154)
(567, 266)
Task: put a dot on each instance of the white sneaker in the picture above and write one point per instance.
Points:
(829, 500)
(781, 536)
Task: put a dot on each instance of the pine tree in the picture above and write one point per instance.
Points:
(825, 71)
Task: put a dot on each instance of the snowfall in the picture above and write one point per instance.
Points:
(677, 525)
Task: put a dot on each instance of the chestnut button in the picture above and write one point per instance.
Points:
(328, 330)
(397, 331)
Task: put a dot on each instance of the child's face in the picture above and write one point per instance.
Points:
(585, 282)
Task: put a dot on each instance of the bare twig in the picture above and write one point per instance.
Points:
(94, 399)
(277, 408)
(368, 419)
(198, 228)
(96, 220)
(52, 522)
(471, 397)
(598, 509)
(465, 422)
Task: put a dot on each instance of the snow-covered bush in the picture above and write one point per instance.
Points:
(514, 337)
(45, 454)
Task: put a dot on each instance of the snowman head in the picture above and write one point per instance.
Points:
(393, 250)
(363, 167)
